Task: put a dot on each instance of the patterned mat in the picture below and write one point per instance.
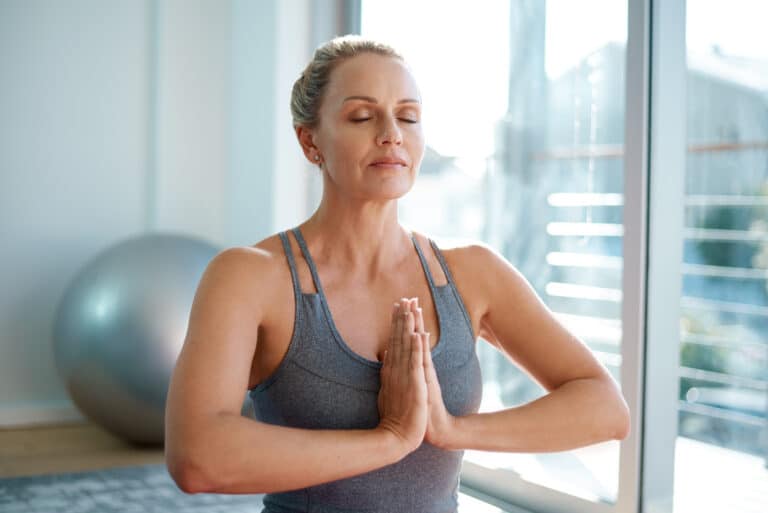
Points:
(145, 489)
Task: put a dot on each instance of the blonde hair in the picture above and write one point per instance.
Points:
(307, 92)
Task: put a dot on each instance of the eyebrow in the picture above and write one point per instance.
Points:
(371, 99)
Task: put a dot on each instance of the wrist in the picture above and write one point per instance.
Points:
(446, 436)
(392, 445)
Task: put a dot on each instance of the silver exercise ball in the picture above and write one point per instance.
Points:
(120, 327)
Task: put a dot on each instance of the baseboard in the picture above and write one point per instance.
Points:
(41, 413)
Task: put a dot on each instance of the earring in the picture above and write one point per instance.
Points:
(317, 158)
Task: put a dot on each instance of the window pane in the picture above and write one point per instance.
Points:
(722, 444)
(524, 119)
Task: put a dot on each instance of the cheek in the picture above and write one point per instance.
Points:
(346, 145)
(417, 146)
(342, 155)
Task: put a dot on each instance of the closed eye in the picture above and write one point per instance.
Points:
(404, 120)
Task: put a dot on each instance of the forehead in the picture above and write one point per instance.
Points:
(383, 78)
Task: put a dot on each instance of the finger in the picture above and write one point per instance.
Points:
(386, 362)
(429, 369)
(407, 327)
(417, 355)
(419, 320)
(397, 335)
(417, 371)
(393, 321)
(416, 311)
(386, 367)
(405, 349)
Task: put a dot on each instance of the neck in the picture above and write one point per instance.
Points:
(363, 237)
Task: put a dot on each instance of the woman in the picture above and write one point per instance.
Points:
(356, 337)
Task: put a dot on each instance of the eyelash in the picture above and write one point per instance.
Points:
(405, 120)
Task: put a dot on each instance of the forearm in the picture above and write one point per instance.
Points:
(579, 413)
(239, 455)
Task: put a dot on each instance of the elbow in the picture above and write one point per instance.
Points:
(612, 421)
(188, 476)
(621, 420)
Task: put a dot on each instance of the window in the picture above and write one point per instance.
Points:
(624, 171)
(722, 440)
(524, 119)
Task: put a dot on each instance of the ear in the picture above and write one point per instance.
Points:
(306, 137)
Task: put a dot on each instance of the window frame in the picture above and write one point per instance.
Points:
(667, 164)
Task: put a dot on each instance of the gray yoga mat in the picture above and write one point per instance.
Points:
(143, 489)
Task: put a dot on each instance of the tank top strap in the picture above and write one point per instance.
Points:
(441, 259)
(308, 259)
(452, 285)
(291, 263)
(424, 264)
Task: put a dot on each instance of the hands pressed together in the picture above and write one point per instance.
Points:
(410, 400)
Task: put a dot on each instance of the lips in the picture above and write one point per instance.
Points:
(389, 162)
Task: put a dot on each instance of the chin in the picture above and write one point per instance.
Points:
(391, 193)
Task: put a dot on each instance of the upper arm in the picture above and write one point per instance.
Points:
(213, 368)
(518, 322)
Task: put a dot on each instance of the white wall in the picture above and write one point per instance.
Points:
(192, 116)
(122, 117)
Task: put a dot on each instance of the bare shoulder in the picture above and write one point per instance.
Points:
(245, 274)
(264, 256)
(473, 259)
(482, 265)
(485, 279)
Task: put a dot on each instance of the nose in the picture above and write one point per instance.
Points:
(389, 133)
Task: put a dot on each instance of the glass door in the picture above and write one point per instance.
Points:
(524, 117)
(721, 451)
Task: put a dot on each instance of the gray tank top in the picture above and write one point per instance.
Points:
(322, 384)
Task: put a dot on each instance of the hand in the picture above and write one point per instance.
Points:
(402, 398)
(440, 423)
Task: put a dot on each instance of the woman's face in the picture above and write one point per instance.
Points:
(369, 134)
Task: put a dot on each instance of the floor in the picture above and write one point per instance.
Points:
(67, 448)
